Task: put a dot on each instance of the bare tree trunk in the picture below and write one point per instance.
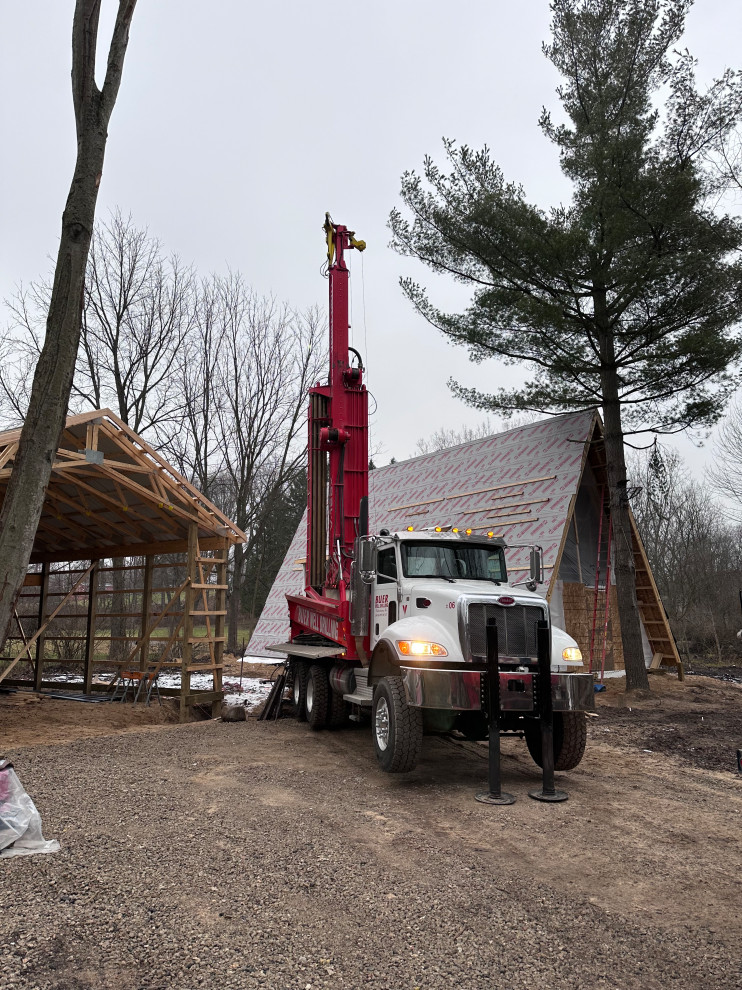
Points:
(118, 648)
(625, 569)
(715, 631)
(52, 382)
(235, 600)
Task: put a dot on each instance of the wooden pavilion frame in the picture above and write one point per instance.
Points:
(111, 496)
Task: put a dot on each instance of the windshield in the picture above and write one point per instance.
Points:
(453, 560)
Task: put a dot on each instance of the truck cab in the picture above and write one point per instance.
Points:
(427, 581)
(429, 596)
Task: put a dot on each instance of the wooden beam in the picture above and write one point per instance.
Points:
(415, 505)
(90, 629)
(501, 521)
(204, 596)
(221, 605)
(126, 513)
(237, 534)
(587, 446)
(146, 612)
(143, 549)
(41, 640)
(91, 435)
(674, 658)
(153, 625)
(562, 543)
(123, 520)
(8, 454)
(505, 505)
(187, 654)
(122, 511)
(497, 488)
(33, 639)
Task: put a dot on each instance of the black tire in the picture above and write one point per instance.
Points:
(339, 711)
(397, 729)
(299, 688)
(570, 738)
(317, 701)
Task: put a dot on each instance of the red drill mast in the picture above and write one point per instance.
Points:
(338, 465)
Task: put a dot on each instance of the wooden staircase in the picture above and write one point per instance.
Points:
(664, 651)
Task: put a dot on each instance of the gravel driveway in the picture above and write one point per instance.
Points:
(264, 855)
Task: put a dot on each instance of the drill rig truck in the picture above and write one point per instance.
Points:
(393, 625)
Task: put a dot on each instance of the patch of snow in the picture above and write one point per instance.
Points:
(249, 692)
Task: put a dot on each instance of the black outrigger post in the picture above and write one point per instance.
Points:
(494, 795)
(546, 712)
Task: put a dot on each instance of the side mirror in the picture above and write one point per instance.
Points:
(367, 558)
(537, 566)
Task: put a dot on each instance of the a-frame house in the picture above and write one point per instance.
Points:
(544, 484)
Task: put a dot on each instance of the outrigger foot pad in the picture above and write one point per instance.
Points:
(551, 796)
(485, 797)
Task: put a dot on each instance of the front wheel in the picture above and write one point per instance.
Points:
(570, 739)
(397, 728)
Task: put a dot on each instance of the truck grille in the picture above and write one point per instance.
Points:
(516, 629)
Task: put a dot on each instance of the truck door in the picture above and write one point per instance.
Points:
(384, 604)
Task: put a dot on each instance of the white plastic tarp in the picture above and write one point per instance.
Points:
(20, 822)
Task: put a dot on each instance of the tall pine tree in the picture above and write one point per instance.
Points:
(629, 296)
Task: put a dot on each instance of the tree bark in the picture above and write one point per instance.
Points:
(235, 599)
(118, 646)
(52, 382)
(623, 544)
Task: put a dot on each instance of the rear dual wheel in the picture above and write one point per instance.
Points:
(313, 699)
(317, 703)
(299, 688)
(339, 711)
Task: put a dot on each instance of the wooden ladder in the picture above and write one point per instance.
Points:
(656, 625)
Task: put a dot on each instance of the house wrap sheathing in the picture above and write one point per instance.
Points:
(542, 484)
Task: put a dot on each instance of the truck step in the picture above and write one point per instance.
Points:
(363, 694)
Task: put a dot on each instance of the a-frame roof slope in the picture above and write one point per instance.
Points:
(518, 484)
(112, 495)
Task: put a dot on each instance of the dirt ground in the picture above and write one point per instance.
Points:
(265, 855)
(28, 719)
(696, 723)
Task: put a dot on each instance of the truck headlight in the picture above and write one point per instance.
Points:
(416, 648)
(572, 653)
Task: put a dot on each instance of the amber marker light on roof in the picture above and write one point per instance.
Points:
(455, 530)
(439, 530)
(491, 534)
(410, 529)
(468, 533)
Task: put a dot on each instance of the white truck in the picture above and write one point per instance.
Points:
(395, 625)
(424, 599)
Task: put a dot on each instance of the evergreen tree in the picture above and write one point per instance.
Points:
(274, 531)
(629, 296)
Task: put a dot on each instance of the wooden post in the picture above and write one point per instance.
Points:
(40, 642)
(149, 570)
(90, 629)
(190, 597)
(220, 608)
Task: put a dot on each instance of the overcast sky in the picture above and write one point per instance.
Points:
(238, 124)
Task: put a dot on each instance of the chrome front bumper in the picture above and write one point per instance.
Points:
(463, 690)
